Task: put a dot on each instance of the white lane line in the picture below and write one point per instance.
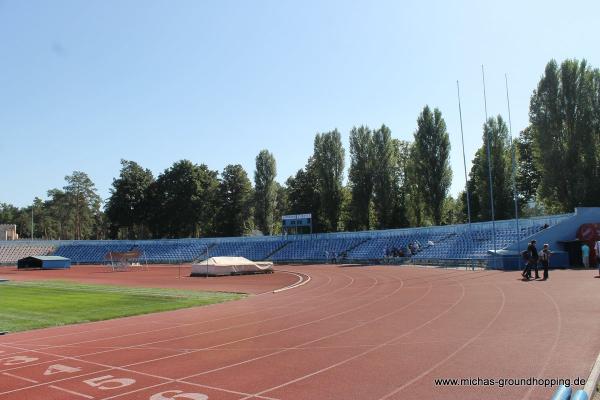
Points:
(297, 347)
(194, 384)
(110, 367)
(19, 377)
(178, 380)
(466, 344)
(62, 357)
(96, 329)
(181, 325)
(552, 350)
(332, 366)
(302, 280)
(71, 392)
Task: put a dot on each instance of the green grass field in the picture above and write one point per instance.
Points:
(41, 304)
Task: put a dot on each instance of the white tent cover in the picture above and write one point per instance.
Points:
(219, 266)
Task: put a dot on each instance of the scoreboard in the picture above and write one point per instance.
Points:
(296, 222)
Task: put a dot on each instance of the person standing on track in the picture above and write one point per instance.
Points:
(532, 261)
(526, 269)
(545, 259)
(585, 254)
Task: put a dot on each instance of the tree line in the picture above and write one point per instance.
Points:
(390, 183)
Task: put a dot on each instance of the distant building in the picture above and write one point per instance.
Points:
(8, 232)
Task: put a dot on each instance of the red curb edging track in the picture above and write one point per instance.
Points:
(368, 332)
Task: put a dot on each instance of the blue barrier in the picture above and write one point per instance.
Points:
(562, 393)
(580, 395)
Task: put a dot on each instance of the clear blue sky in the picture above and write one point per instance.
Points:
(86, 83)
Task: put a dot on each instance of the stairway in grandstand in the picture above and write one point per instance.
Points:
(270, 255)
(316, 248)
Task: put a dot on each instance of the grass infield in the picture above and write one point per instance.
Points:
(41, 304)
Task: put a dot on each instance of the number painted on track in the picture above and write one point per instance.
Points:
(60, 368)
(16, 360)
(109, 382)
(178, 394)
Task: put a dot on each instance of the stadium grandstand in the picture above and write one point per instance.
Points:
(436, 245)
(13, 251)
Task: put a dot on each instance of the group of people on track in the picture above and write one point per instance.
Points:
(533, 258)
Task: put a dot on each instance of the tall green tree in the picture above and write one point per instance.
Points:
(303, 194)
(385, 161)
(182, 201)
(83, 201)
(8, 213)
(265, 191)
(452, 213)
(329, 160)
(59, 210)
(564, 113)
(432, 161)
(414, 196)
(528, 176)
(43, 223)
(235, 198)
(125, 206)
(479, 188)
(360, 177)
(401, 181)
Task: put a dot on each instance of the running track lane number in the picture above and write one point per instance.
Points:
(60, 368)
(178, 394)
(109, 382)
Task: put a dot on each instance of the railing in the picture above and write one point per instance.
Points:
(467, 263)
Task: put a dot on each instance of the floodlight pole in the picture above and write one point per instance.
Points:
(464, 158)
(32, 219)
(514, 168)
(489, 164)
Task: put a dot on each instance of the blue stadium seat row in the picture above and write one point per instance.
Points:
(442, 242)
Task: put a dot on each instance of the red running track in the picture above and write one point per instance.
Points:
(349, 333)
(159, 276)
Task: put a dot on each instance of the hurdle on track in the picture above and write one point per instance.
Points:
(127, 260)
